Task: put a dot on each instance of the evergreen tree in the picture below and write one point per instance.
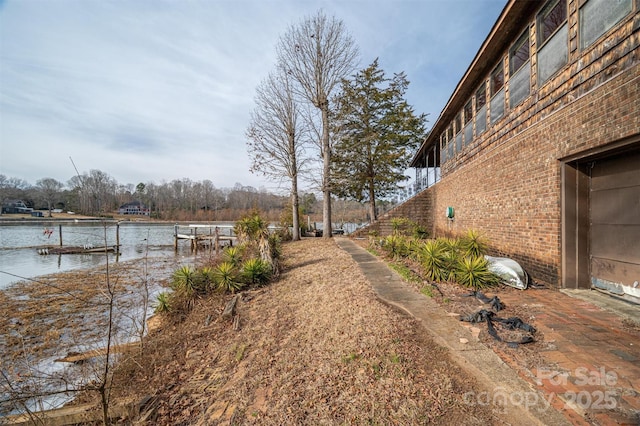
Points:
(377, 133)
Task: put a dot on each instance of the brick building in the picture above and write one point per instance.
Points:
(538, 147)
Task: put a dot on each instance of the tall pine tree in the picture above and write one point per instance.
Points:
(376, 133)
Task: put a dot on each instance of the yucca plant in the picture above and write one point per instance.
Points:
(256, 271)
(473, 244)
(399, 224)
(450, 244)
(433, 260)
(473, 273)
(251, 227)
(232, 255)
(162, 303)
(420, 232)
(183, 280)
(451, 260)
(225, 276)
(395, 246)
(205, 279)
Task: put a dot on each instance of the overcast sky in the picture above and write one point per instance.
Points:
(151, 91)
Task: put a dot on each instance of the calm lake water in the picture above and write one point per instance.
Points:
(19, 258)
(83, 331)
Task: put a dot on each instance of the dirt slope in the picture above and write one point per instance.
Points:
(316, 347)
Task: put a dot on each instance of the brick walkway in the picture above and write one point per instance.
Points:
(592, 370)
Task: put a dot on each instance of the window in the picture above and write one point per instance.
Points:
(458, 130)
(550, 18)
(519, 70)
(468, 112)
(553, 33)
(497, 93)
(450, 141)
(599, 16)
(443, 148)
(497, 79)
(468, 123)
(519, 53)
(481, 109)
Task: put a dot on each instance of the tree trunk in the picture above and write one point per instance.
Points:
(327, 232)
(372, 203)
(296, 211)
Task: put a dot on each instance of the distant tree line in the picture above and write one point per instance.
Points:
(96, 193)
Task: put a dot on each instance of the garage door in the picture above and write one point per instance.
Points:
(615, 224)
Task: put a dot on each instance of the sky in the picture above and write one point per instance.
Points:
(157, 90)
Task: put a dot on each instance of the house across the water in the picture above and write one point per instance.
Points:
(15, 207)
(134, 207)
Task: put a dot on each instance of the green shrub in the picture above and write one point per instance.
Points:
(473, 273)
(473, 244)
(256, 271)
(420, 232)
(205, 279)
(251, 227)
(433, 260)
(184, 281)
(399, 225)
(232, 255)
(162, 304)
(225, 277)
(395, 246)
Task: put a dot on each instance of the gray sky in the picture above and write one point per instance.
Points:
(151, 91)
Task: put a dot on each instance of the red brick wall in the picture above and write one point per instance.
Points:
(419, 209)
(510, 190)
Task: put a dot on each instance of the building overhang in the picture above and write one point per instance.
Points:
(509, 25)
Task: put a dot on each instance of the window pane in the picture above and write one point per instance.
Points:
(519, 53)
(468, 133)
(497, 79)
(459, 142)
(520, 85)
(450, 150)
(599, 16)
(481, 120)
(553, 55)
(552, 16)
(468, 112)
(481, 97)
(497, 106)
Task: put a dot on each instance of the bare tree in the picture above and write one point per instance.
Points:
(49, 189)
(318, 53)
(276, 136)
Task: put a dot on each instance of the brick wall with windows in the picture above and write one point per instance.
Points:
(506, 181)
(510, 190)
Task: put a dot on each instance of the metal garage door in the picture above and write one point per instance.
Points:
(615, 224)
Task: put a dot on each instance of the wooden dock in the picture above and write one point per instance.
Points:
(212, 236)
(77, 250)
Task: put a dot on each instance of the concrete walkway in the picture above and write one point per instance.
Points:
(543, 398)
